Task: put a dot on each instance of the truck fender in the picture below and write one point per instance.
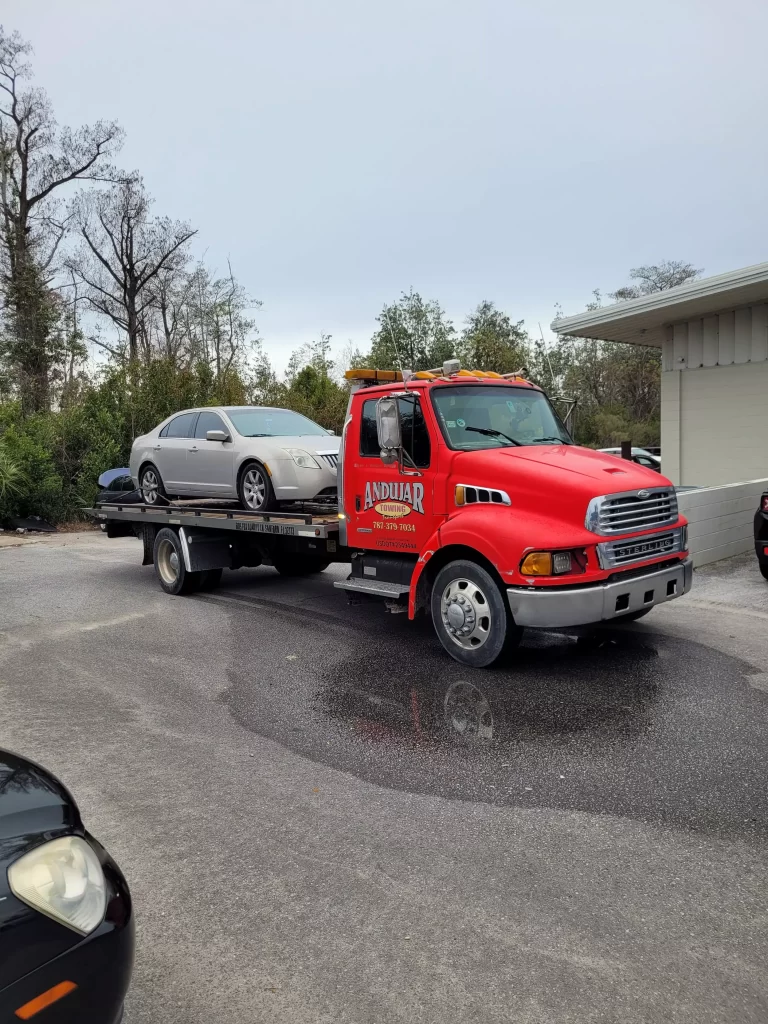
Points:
(470, 530)
(432, 545)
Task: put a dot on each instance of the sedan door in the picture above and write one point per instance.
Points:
(170, 452)
(211, 464)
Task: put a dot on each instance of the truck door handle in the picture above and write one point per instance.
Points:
(357, 503)
(158, 448)
(193, 448)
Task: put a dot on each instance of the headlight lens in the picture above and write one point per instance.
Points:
(64, 880)
(302, 458)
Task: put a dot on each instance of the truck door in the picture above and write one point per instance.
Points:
(388, 509)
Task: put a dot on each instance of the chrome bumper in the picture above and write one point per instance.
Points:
(581, 606)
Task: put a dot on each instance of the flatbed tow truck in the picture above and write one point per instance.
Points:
(460, 495)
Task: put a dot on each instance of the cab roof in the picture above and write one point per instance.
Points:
(392, 380)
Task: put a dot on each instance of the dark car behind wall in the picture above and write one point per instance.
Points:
(761, 534)
(66, 922)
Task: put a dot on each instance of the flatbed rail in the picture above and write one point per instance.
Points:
(293, 523)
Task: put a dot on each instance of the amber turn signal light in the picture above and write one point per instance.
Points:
(45, 999)
(537, 563)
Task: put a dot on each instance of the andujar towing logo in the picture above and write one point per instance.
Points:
(394, 499)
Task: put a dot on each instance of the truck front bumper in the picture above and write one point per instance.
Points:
(553, 607)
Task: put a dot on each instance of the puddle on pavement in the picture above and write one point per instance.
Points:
(631, 723)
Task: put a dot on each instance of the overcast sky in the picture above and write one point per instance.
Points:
(341, 151)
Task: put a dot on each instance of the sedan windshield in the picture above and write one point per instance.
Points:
(254, 422)
(473, 417)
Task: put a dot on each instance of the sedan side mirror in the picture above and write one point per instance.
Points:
(388, 429)
(217, 435)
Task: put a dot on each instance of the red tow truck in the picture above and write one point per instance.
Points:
(462, 496)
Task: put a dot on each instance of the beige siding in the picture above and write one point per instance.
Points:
(720, 519)
(720, 424)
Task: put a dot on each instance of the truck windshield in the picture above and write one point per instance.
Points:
(483, 416)
(255, 422)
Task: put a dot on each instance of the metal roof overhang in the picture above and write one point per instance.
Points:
(644, 321)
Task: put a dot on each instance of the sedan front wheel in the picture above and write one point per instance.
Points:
(255, 490)
(151, 487)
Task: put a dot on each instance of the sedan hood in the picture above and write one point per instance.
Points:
(307, 442)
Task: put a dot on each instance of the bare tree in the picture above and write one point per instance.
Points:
(656, 277)
(37, 159)
(124, 253)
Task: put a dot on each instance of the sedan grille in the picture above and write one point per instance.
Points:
(617, 553)
(632, 511)
(330, 459)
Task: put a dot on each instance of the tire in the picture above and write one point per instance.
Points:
(255, 489)
(151, 486)
(169, 565)
(298, 566)
(764, 569)
(481, 629)
(633, 616)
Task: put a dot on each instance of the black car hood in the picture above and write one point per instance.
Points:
(34, 808)
(32, 802)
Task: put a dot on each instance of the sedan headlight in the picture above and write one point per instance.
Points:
(64, 880)
(302, 458)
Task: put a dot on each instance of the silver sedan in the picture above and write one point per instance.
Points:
(260, 455)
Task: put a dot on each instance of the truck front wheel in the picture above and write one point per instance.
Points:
(470, 614)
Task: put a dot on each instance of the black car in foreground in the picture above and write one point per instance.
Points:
(66, 923)
(761, 534)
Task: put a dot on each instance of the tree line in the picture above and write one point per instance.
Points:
(88, 266)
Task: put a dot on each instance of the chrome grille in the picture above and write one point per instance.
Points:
(617, 553)
(632, 511)
(330, 458)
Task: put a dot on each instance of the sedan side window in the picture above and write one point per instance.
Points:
(182, 425)
(208, 421)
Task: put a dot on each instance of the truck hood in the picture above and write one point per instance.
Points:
(610, 473)
(560, 478)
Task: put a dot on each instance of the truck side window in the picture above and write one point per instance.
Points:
(415, 433)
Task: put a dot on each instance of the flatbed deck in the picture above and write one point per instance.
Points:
(304, 521)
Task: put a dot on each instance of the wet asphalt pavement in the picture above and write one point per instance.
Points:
(609, 725)
(324, 818)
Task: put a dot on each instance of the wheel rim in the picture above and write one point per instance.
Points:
(254, 488)
(468, 714)
(167, 562)
(466, 614)
(150, 486)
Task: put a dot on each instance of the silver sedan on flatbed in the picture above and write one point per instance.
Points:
(259, 455)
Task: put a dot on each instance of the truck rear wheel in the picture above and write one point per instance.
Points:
(470, 614)
(169, 564)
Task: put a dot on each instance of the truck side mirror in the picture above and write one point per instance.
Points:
(388, 429)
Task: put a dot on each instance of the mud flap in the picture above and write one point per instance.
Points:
(148, 531)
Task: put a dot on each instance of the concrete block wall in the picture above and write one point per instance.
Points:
(721, 519)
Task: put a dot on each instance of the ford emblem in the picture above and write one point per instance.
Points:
(643, 494)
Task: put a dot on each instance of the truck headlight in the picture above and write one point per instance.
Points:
(62, 879)
(302, 458)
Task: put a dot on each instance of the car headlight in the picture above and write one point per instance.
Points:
(64, 880)
(302, 458)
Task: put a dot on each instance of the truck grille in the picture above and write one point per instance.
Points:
(330, 458)
(617, 553)
(632, 511)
